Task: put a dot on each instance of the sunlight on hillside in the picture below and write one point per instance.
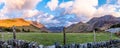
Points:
(15, 22)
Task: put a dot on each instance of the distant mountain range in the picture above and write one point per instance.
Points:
(101, 23)
(21, 25)
(55, 29)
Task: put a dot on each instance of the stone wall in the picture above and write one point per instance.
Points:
(25, 44)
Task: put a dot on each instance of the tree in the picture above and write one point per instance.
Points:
(7, 29)
(23, 30)
(115, 26)
(28, 30)
(18, 30)
(96, 29)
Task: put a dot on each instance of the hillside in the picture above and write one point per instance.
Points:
(104, 22)
(15, 22)
(101, 23)
(79, 27)
(21, 25)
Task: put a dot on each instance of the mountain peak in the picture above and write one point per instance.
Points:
(107, 17)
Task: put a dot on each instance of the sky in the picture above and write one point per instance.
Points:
(55, 13)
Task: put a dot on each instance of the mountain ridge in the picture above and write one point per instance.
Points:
(100, 23)
(22, 24)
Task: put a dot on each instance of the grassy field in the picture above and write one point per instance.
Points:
(50, 38)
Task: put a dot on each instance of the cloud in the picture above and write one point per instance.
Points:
(30, 13)
(1, 1)
(21, 4)
(84, 7)
(66, 4)
(105, 10)
(24, 7)
(108, 9)
(118, 2)
(88, 8)
(3, 17)
(70, 23)
(46, 18)
(53, 4)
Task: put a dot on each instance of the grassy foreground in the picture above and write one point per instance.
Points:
(50, 38)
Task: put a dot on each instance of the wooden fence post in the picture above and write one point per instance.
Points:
(2, 36)
(94, 36)
(14, 37)
(14, 32)
(64, 36)
(111, 35)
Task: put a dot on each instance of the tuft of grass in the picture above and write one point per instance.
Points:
(51, 38)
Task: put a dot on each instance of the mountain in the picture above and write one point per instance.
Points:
(15, 22)
(79, 27)
(104, 22)
(55, 29)
(21, 25)
(100, 23)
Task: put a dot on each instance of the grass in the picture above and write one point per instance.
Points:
(50, 38)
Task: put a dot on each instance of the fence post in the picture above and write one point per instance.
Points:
(14, 37)
(64, 36)
(94, 35)
(111, 36)
(14, 33)
(2, 36)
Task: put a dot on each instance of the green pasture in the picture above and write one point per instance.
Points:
(50, 38)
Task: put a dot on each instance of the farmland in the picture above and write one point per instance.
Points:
(50, 38)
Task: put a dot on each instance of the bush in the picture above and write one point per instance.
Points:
(115, 26)
(7, 29)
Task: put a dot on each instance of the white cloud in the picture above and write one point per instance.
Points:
(53, 4)
(47, 19)
(80, 7)
(105, 10)
(116, 14)
(21, 4)
(87, 8)
(108, 9)
(66, 4)
(118, 2)
(27, 7)
(31, 13)
(3, 17)
(1, 1)
(84, 7)
(70, 23)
